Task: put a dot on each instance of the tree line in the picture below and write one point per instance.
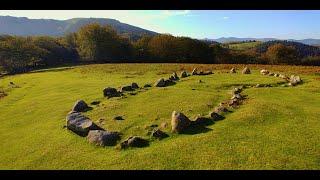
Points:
(94, 43)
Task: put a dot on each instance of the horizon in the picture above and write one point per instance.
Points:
(257, 24)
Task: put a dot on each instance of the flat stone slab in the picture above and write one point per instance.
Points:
(80, 124)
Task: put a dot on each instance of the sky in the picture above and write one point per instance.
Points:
(200, 24)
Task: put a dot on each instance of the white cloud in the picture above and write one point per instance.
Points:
(226, 18)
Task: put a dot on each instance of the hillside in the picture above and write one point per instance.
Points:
(303, 49)
(22, 26)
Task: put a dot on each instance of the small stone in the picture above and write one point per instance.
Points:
(163, 125)
(147, 85)
(246, 70)
(215, 116)
(134, 86)
(95, 102)
(118, 118)
(159, 134)
(184, 74)
(194, 71)
(264, 72)
(160, 83)
(134, 141)
(80, 106)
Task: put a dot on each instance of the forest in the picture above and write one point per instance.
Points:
(94, 43)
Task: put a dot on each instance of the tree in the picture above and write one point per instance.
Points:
(18, 54)
(102, 44)
(281, 54)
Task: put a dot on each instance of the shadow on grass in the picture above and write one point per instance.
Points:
(196, 129)
(199, 126)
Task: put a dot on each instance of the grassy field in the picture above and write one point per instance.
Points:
(244, 46)
(275, 128)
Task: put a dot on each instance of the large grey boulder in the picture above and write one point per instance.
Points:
(246, 70)
(80, 106)
(80, 124)
(103, 138)
(111, 92)
(179, 122)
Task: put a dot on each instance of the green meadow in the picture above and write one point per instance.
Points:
(275, 128)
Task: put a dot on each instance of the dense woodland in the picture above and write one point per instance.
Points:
(94, 43)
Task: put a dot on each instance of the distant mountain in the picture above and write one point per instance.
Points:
(235, 39)
(23, 26)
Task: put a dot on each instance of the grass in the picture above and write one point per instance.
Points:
(244, 46)
(276, 128)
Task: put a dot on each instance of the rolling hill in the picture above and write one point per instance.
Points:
(23, 26)
(303, 49)
(308, 41)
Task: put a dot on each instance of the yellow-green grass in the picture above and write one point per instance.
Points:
(244, 46)
(275, 128)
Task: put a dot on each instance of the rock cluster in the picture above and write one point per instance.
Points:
(292, 81)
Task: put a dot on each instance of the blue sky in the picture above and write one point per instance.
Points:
(203, 23)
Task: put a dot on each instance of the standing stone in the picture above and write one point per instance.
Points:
(80, 124)
(80, 106)
(246, 70)
(160, 83)
(103, 138)
(179, 122)
(233, 70)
